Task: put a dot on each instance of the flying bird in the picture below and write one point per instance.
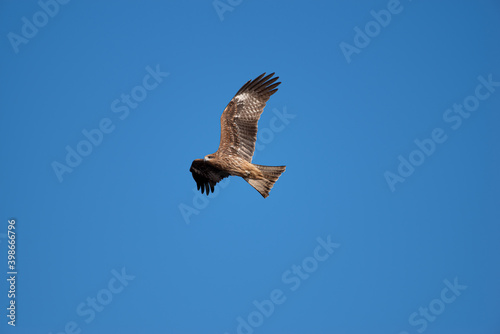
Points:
(237, 141)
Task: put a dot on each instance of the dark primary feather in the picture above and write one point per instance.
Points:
(240, 117)
(206, 175)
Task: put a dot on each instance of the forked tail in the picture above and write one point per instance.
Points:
(271, 175)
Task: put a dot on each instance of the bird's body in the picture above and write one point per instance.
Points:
(237, 142)
(236, 165)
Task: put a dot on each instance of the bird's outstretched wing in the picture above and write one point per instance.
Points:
(206, 175)
(239, 119)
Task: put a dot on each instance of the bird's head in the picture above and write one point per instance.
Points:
(209, 157)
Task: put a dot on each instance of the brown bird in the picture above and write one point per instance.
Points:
(237, 141)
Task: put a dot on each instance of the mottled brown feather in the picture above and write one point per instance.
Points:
(240, 117)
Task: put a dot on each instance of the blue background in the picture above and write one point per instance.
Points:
(350, 118)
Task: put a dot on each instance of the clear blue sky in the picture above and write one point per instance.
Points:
(385, 221)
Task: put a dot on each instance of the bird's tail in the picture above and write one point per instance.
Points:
(271, 175)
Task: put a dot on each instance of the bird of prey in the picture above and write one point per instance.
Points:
(237, 141)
